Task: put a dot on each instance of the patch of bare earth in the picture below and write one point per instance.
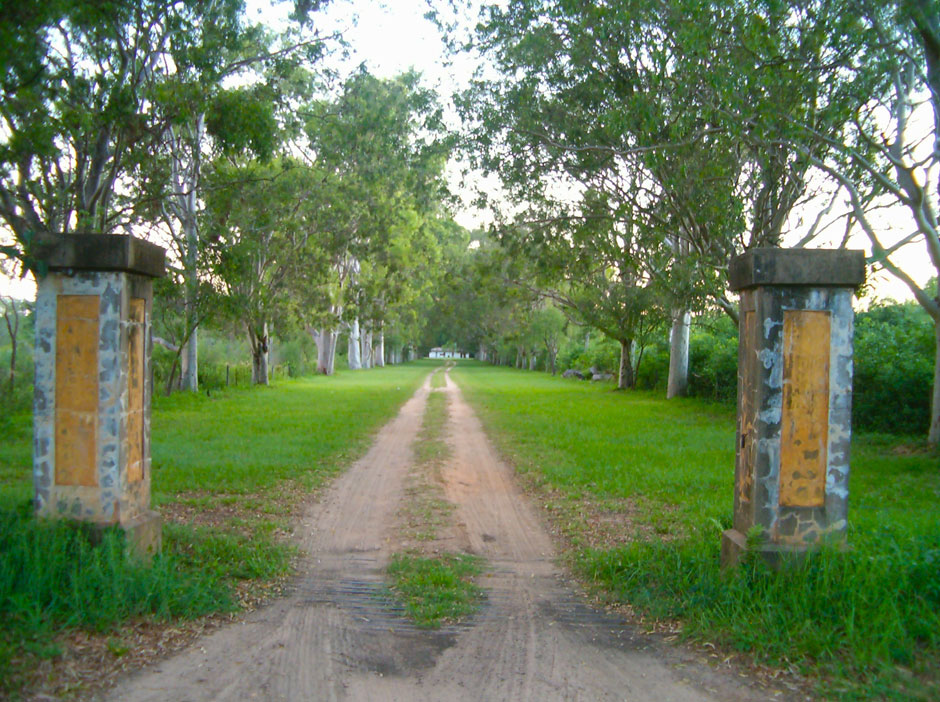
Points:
(425, 519)
(335, 637)
(92, 662)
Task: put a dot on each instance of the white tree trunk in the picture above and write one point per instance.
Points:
(190, 370)
(366, 346)
(678, 384)
(331, 339)
(185, 164)
(533, 361)
(189, 362)
(259, 368)
(380, 351)
(353, 347)
(325, 341)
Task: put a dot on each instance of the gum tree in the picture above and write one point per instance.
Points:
(888, 154)
(259, 216)
(94, 94)
(208, 117)
(678, 108)
(82, 85)
(380, 148)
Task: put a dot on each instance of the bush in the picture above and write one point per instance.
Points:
(601, 354)
(569, 352)
(299, 354)
(713, 360)
(894, 356)
(653, 373)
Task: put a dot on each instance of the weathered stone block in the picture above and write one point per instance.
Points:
(794, 398)
(144, 534)
(762, 267)
(92, 400)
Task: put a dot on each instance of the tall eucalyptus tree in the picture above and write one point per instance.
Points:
(380, 148)
(886, 157)
(676, 108)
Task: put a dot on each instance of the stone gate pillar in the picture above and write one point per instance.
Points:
(794, 398)
(91, 447)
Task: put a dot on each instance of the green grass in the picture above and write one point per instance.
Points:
(863, 624)
(242, 457)
(245, 440)
(56, 575)
(437, 590)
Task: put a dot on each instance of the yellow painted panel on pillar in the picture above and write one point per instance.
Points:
(804, 428)
(135, 390)
(76, 390)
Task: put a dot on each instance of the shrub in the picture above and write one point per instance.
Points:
(602, 354)
(653, 373)
(713, 360)
(894, 355)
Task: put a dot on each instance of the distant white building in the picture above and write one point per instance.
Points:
(438, 352)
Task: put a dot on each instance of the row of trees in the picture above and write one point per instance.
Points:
(641, 144)
(340, 231)
(285, 198)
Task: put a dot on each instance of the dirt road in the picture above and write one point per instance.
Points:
(334, 638)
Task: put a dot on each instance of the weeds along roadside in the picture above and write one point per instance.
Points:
(640, 488)
(432, 585)
(228, 472)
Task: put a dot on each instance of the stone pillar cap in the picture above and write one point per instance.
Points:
(839, 268)
(105, 252)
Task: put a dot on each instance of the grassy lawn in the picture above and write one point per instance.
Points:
(228, 472)
(641, 489)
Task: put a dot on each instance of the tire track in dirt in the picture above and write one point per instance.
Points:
(336, 637)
